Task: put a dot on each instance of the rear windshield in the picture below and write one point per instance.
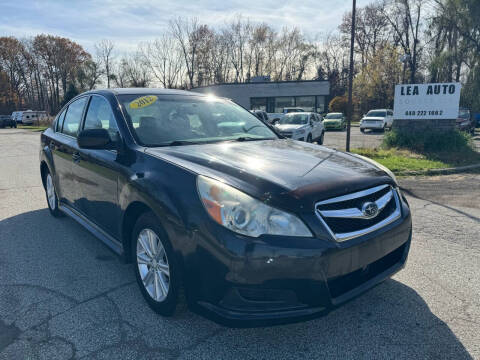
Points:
(160, 120)
(375, 113)
(294, 119)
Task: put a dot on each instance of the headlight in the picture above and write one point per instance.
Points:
(301, 131)
(243, 214)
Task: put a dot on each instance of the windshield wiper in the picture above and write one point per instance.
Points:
(180, 143)
(249, 138)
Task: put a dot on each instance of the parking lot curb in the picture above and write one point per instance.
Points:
(444, 171)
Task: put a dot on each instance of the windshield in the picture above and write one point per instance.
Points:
(163, 120)
(374, 113)
(294, 119)
(333, 116)
(464, 114)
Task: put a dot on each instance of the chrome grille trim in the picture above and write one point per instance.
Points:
(354, 213)
(382, 201)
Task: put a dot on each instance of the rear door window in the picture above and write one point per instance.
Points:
(73, 117)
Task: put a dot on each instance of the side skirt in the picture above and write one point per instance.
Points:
(108, 240)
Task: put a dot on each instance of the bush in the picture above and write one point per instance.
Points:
(428, 141)
(338, 104)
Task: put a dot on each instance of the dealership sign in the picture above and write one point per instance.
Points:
(426, 101)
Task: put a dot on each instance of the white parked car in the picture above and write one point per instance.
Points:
(378, 119)
(303, 126)
(272, 117)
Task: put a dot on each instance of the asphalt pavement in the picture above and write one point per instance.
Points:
(63, 294)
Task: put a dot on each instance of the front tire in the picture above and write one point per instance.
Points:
(156, 270)
(362, 131)
(309, 138)
(320, 140)
(52, 198)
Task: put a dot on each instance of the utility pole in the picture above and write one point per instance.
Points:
(350, 78)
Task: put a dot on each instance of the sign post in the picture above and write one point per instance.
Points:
(421, 106)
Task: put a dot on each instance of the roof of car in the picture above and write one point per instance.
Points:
(146, 91)
(301, 113)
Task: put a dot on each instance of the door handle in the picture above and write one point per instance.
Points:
(76, 157)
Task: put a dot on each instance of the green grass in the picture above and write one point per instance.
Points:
(32, 127)
(400, 161)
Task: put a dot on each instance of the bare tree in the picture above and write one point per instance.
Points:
(104, 51)
(164, 57)
(186, 32)
(405, 18)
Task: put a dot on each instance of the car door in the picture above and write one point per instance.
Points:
(319, 124)
(313, 126)
(64, 148)
(97, 170)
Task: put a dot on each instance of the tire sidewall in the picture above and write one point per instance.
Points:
(55, 212)
(166, 307)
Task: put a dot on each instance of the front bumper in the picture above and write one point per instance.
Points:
(279, 281)
(333, 125)
(371, 125)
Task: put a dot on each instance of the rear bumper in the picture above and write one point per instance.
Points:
(272, 285)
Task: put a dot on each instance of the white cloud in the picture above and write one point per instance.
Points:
(129, 22)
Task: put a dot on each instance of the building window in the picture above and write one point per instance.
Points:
(283, 102)
(258, 104)
(307, 103)
(321, 104)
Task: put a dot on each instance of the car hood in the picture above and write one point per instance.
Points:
(289, 127)
(373, 118)
(332, 120)
(278, 169)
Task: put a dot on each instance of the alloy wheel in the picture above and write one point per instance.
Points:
(153, 265)
(51, 192)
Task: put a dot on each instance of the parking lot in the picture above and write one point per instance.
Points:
(63, 294)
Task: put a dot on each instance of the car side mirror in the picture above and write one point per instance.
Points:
(95, 139)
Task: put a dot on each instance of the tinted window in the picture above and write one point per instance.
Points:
(375, 113)
(100, 116)
(73, 117)
(294, 119)
(160, 120)
(334, 116)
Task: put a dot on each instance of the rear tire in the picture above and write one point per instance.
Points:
(52, 198)
(362, 131)
(155, 266)
(309, 138)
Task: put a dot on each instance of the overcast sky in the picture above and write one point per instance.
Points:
(130, 22)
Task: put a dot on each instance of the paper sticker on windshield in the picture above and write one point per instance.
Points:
(143, 101)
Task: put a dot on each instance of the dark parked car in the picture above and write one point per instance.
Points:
(6, 120)
(201, 195)
(465, 122)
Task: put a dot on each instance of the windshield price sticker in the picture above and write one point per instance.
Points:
(143, 101)
(426, 101)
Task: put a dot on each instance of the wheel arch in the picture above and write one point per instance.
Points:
(130, 217)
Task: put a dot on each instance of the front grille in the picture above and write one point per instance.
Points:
(348, 216)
